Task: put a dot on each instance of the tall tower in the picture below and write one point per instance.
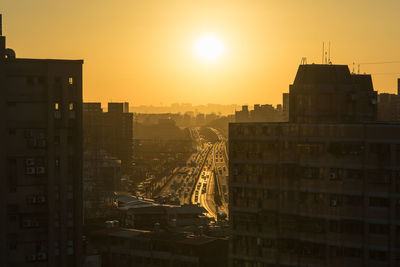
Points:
(40, 161)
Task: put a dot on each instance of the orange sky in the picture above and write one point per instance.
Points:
(142, 51)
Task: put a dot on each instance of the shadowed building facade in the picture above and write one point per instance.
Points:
(323, 189)
(40, 161)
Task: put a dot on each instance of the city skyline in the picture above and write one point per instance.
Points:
(150, 53)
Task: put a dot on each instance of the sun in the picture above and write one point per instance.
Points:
(209, 48)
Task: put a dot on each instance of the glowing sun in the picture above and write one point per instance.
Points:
(209, 48)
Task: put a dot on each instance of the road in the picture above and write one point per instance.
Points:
(214, 178)
(202, 181)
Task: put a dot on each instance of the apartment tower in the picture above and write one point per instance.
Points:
(322, 189)
(40, 161)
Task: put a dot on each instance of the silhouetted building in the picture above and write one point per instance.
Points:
(40, 161)
(285, 106)
(331, 94)
(317, 191)
(389, 106)
(118, 138)
(111, 131)
(93, 126)
(132, 247)
(260, 113)
(242, 115)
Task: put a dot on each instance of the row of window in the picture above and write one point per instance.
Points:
(263, 173)
(258, 247)
(296, 223)
(317, 130)
(256, 196)
(258, 150)
(41, 80)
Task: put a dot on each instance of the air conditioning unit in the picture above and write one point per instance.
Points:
(332, 176)
(30, 162)
(40, 199)
(41, 143)
(28, 133)
(31, 257)
(35, 224)
(41, 256)
(40, 170)
(72, 114)
(30, 170)
(334, 202)
(32, 199)
(57, 114)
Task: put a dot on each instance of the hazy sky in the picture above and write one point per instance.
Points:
(143, 51)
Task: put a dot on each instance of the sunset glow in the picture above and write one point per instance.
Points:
(209, 48)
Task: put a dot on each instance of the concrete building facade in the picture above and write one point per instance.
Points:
(40, 161)
(319, 190)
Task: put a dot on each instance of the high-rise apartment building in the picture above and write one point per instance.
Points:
(331, 94)
(118, 138)
(322, 189)
(111, 131)
(40, 161)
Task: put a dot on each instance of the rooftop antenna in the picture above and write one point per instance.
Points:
(358, 68)
(353, 68)
(303, 61)
(1, 27)
(329, 53)
(326, 58)
(323, 52)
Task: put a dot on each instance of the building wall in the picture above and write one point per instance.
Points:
(330, 93)
(314, 194)
(41, 162)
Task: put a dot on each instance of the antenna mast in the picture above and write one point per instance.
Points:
(329, 54)
(323, 52)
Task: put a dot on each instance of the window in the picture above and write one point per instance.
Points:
(71, 80)
(377, 255)
(56, 106)
(56, 139)
(57, 163)
(70, 249)
(56, 248)
(379, 202)
(11, 131)
(71, 106)
(378, 229)
(29, 80)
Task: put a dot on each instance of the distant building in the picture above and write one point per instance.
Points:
(323, 189)
(242, 115)
(260, 113)
(118, 138)
(40, 161)
(285, 106)
(111, 131)
(389, 106)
